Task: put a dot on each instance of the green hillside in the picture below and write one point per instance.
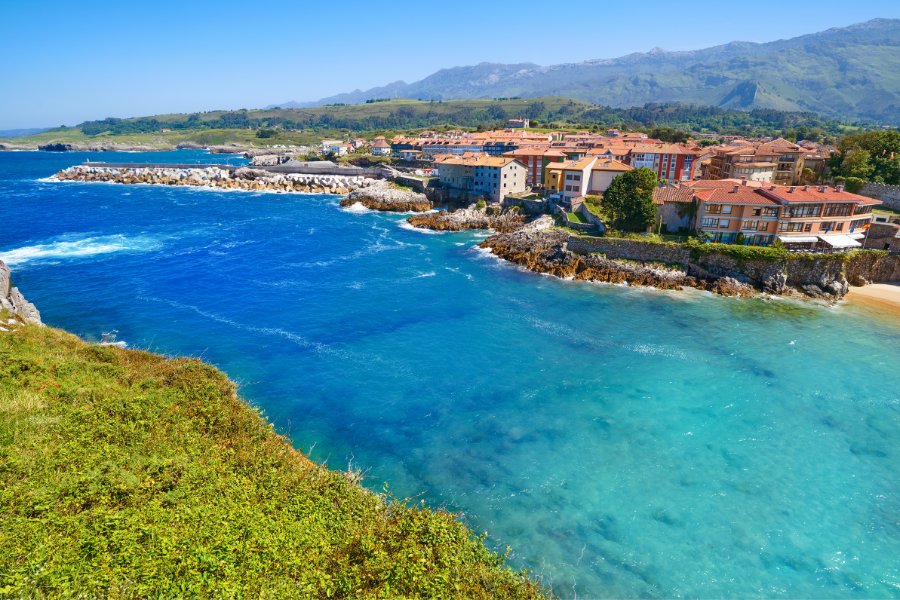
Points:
(124, 474)
(408, 116)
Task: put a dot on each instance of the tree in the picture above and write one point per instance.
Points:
(628, 201)
(856, 164)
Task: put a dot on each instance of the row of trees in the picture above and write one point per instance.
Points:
(668, 122)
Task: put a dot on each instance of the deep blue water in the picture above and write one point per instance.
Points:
(625, 442)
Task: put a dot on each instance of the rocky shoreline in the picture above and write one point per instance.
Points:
(500, 220)
(540, 248)
(12, 300)
(212, 177)
(386, 197)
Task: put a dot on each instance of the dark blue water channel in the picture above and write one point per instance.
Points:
(625, 442)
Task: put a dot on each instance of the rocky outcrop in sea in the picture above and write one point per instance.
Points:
(501, 220)
(101, 147)
(213, 177)
(12, 299)
(7, 147)
(385, 196)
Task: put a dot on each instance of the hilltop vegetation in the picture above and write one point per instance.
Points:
(124, 474)
(305, 126)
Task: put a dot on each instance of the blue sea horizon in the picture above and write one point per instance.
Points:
(624, 442)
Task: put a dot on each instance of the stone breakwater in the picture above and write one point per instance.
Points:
(212, 177)
(385, 196)
(507, 219)
(12, 299)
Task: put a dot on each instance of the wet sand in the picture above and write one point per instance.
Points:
(882, 296)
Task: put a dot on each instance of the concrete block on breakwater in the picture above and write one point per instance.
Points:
(220, 177)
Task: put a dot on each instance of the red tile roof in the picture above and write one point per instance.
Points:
(669, 194)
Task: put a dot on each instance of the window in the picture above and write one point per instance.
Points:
(576, 177)
(568, 177)
(840, 226)
(751, 225)
(709, 223)
(568, 188)
(862, 209)
(808, 227)
(762, 226)
(826, 225)
(756, 212)
(837, 210)
(714, 209)
(858, 223)
(723, 223)
(769, 211)
(810, 210)
(794, 227)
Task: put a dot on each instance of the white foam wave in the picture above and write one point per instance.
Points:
(78, 248)
(429, 274)
(404, 224)
(356, 208)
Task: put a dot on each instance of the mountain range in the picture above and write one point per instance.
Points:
(845, 72)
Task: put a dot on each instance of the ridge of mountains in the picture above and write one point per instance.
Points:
(844, 72)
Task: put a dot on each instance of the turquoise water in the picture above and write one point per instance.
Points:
(624, 442)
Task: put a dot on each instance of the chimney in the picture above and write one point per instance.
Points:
(821, 188)
(805, 188)
(734, 191)
(743, 181)
(792, 190)
(772, 189)
(839, 189)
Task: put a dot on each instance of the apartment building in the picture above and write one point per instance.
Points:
(498, 176)
(589, 176)
(458, 172)
(803, 218)
(789, 163)
(536, 159)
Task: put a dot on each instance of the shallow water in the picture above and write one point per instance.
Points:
(624, 442)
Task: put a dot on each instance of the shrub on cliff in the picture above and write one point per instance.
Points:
(628, 201)
(126, 474)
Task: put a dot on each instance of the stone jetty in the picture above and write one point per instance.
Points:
(213, 177)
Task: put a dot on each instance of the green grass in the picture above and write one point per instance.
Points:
(575, 217)
(883, 210)
(125, 474)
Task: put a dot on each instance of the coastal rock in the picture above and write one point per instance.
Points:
(101, 147)
(13, 300)
(190, 146)
(505, 220)
(385, 196)
(13, 147)
(776, 284)
(541, 249)
(4, 280)
(229, 149)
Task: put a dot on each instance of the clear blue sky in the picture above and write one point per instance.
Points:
(67, 62)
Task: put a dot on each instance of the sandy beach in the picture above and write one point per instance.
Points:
(885, 296)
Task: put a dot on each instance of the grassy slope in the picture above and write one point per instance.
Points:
(126, 474)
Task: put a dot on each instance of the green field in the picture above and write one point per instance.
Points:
(124, 474)
(576, 217)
